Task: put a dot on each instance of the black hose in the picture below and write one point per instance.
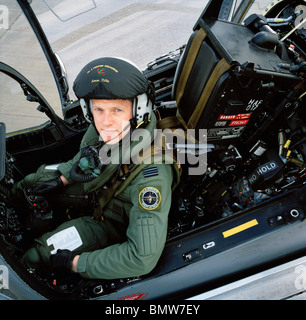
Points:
(75, 176)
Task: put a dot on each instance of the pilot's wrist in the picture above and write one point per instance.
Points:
(75, 263)
(64, 180)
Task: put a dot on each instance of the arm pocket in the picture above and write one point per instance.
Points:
(146, 234)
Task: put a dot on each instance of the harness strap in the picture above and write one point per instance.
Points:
(221, 67)
(189, 62)
(168, 122)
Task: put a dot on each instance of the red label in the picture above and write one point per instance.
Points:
(235, 116)
(238, 123)
(135, 296)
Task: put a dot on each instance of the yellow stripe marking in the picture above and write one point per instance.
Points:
(240, 228)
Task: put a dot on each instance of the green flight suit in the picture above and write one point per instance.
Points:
(129, 235)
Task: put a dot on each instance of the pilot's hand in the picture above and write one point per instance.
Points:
(61, 262)
(52, 186)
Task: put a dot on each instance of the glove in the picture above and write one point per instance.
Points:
(51, 186)
(61, 262)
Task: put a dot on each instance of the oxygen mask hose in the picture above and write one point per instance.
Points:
(89, 161)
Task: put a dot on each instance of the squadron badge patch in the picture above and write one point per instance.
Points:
(149, 198)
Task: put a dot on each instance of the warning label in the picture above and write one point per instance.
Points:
(238, 123)
(235, 116)
(229, 126)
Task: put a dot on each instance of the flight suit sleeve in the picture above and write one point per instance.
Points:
(150, 195)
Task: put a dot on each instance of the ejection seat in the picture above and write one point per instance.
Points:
(228, 75)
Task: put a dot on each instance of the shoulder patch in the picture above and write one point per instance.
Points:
(149, 198)
(150, 172)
